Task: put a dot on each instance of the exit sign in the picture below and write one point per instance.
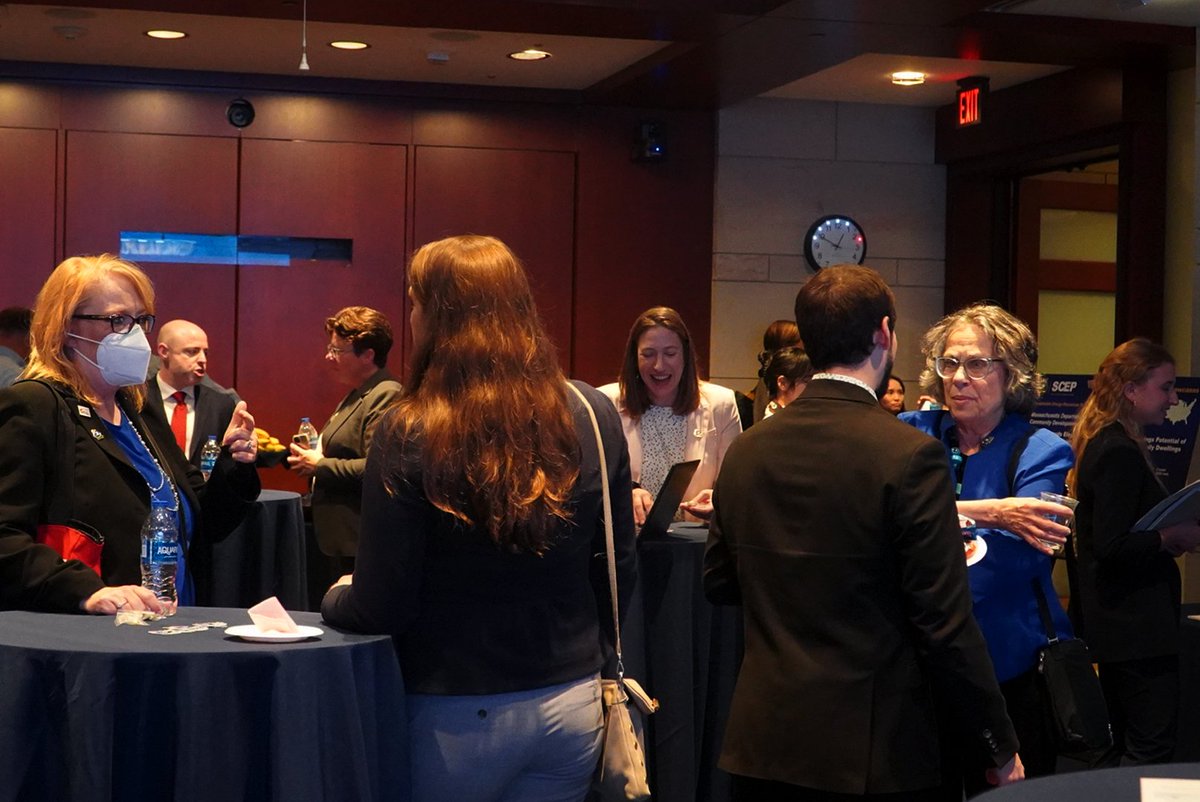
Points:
(969, 109)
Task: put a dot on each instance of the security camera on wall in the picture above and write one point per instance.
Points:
(240, 113)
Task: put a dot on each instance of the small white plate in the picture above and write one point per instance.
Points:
(251, 632)
(974, 549)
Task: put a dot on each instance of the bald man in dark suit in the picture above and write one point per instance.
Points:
(835, 529)
(183, 368)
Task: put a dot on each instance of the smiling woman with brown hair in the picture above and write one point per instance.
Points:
(669, 415)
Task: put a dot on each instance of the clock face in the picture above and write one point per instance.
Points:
(835, 240)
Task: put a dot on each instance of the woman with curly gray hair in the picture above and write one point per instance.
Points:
(981, 366)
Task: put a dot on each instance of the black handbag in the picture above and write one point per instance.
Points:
(1072, 688)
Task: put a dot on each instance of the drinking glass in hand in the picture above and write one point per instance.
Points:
(1065, 520)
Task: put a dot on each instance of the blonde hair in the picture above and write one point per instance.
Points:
(1129, 363)
(69, 286)
(1012, 341)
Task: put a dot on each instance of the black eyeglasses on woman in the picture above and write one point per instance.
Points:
(122, 324)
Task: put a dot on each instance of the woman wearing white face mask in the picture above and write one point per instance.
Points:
(76, 457)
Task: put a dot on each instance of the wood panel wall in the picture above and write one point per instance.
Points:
(603, 237)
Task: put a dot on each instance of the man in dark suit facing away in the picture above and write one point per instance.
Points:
(835, 529)
(193, 405)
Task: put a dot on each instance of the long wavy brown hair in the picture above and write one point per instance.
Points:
(1129, 363)
(484, 417)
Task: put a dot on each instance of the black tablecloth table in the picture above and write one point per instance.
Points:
(687, 652)
(93, 711)
(1099, 785)
(264, 556)
(1187, 745)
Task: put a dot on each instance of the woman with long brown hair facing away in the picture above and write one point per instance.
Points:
(482, 543)
(1125, 600)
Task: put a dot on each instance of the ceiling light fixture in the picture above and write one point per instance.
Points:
(530, 54)
(345, 44)
(304, 37)
(161, 33)
(908, 78)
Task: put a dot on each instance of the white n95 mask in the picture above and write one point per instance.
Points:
(121, 358)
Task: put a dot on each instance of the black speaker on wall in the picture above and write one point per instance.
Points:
(240, 113)
(649, 144)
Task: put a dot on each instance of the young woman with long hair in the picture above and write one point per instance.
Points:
(1126, 591)
(482, 543)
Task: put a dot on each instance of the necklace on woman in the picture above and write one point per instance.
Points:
(162, 475)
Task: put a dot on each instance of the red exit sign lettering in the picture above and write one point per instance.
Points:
(969, 112)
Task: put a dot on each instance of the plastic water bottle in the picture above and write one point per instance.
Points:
(208, 456)
(307, 436)
(160, 554)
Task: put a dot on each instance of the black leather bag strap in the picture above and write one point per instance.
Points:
(1044, 611)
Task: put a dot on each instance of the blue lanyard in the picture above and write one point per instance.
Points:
(959, 463)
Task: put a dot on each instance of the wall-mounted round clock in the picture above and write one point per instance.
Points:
(835, 240)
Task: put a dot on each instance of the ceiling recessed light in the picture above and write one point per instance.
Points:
(165, 34)
(908, 78)
(348, 45)
(530, 54)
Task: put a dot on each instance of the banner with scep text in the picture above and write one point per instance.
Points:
(1171, 443)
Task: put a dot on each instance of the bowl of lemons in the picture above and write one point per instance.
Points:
(271, 452)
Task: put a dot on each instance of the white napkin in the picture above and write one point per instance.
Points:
(269, 616)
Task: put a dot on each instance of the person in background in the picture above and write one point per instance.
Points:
(981, 366)
(360, 339)
(786, 375)
(14, 342)
(834, 529)
(669, 415)
(482, 550)
(780, 334)
(178, 395)
(86, 377)
(893, 398)
(1125, 597)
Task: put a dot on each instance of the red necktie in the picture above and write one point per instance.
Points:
(179, 419)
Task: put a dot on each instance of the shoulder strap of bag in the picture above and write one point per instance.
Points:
(1044, 611)
(608, 529)
(60, 507)
(1015, 457)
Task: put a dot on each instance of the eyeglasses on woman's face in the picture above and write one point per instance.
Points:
(122, 324)
(977, 367)
(333, 350)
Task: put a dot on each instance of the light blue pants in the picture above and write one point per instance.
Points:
(529, 746)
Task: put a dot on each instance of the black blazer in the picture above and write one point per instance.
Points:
(1126, 602)
(835, 528)
(110, 497)
(338, 482)
(471, 618)
(214, 409)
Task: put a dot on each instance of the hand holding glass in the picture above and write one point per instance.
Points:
(1065, 520)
